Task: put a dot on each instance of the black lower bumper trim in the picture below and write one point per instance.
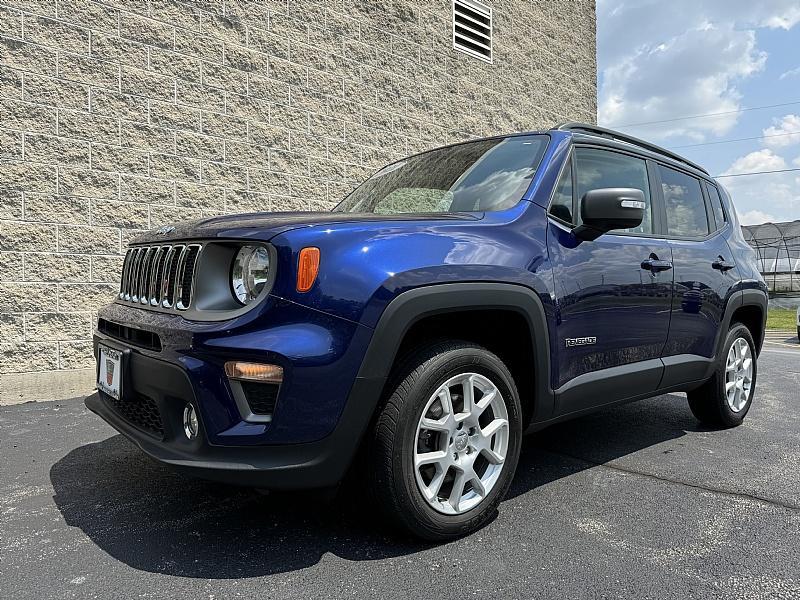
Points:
(281, 467)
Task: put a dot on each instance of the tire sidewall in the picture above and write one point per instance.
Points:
(442, 368)
(730, 417)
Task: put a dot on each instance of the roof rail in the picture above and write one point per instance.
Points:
(622, 137)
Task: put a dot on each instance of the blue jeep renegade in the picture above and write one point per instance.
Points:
(455, 300)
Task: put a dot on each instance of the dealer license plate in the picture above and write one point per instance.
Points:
(109, 374)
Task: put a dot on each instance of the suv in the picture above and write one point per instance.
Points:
(455, 300)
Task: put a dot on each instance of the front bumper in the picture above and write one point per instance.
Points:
(280, 467)
(322, 411)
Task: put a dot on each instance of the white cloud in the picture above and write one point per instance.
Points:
(796, 162)
(751, 194)
(691, 73)
(660, 60)
(760, 160)
(789, 124)
(790, 73)
(755, 217)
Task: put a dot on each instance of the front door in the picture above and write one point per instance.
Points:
(613, 295)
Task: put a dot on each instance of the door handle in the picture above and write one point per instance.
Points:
(722, 265)
(654, 265)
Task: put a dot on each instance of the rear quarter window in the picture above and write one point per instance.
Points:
(716, 206)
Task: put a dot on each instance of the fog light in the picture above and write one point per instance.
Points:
(190, 424)
(254, 372)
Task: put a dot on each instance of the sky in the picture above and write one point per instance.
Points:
(661, 61)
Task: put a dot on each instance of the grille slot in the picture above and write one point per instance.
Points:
(160, 276)
(140, 411)
(187, 277)
(132, 335)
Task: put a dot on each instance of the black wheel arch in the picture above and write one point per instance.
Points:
(748, 306)
(418, 304)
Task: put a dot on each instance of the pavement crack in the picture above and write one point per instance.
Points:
(713, 490)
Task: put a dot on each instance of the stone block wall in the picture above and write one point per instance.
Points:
(118, 116)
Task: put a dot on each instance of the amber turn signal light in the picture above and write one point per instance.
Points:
(254, 372)
(307, 268)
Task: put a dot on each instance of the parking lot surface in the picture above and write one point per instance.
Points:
(633, 502)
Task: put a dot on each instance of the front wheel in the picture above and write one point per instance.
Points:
(447, 441)
(725, 399)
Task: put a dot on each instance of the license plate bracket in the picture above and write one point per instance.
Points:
(109, 371)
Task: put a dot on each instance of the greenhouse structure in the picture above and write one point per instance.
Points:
(777, 246)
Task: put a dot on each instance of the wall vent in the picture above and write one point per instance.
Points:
(472, 28)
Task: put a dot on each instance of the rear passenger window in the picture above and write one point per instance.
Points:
(683, 198)
(716, 206)
(597, 169)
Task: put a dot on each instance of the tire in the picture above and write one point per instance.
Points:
(399, 439)
(710, 403)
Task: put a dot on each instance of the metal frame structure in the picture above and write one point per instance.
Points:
(778, 248)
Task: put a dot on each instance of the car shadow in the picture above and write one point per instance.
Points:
(155, 520)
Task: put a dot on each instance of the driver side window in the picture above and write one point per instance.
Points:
(597, 169)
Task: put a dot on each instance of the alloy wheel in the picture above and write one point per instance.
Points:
(738, 375)
(462, 439)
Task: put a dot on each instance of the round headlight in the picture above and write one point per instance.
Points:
(250, 273)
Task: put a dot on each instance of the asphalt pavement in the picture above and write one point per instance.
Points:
(633, 502)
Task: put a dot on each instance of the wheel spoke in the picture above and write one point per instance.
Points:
(731, 363)
(469, 395)
(493, 457)
(477, 484)
(440, 425)
(429, 458)
(431, 491)
(484, 402)
(458, 489)
(447, 401)
(493, 427)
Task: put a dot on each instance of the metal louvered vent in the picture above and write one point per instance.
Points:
(160, 276)
(472, 28)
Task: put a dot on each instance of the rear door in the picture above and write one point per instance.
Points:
(695, 224)
(612, 308)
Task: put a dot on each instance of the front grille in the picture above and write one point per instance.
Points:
(132, 335)
(160, 276)
(140, 411)
(260, 397)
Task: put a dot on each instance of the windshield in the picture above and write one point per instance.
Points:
(477, 176)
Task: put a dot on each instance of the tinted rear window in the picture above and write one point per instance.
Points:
(686, 209)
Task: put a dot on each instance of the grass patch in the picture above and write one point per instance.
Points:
(781, 318)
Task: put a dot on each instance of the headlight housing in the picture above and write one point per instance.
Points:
(250, 273)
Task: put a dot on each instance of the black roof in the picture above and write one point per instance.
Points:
(610, 134)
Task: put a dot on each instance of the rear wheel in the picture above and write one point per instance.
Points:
(447, 441)
(725, 399)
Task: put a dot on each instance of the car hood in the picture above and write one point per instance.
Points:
(264, 226)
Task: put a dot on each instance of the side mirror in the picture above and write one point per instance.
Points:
(605, 209)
